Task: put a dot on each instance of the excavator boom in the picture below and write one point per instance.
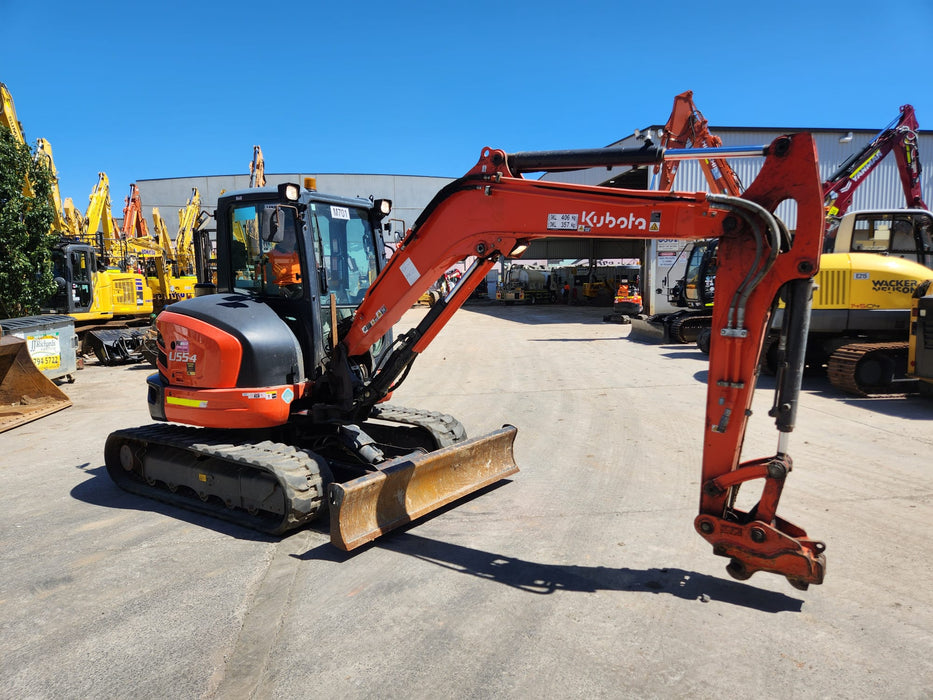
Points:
(899, 136)
(8, 114)
(687, 128)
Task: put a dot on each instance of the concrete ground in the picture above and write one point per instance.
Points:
(581, 576)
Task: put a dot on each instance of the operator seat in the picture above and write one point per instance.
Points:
(902, 239)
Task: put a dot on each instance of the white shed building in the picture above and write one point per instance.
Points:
(410, 194)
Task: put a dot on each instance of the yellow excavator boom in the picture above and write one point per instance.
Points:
(8, 114)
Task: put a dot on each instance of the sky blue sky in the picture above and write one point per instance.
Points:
(166, 89)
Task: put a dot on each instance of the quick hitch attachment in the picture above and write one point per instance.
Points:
(759, 540)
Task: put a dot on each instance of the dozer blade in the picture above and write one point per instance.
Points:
(408, 487)
(25, 393)
(650, 329)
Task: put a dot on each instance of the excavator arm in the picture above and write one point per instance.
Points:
(687, 128)
(188, 218)
(161, 236)
(493, 211)
(8, 115)
(100, 216)
(134, 223)
(44, 155)
(257, 169)
(899, 136)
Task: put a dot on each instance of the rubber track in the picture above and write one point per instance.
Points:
(446, 429)
(843, 363)
(297, 472)
(689, 323)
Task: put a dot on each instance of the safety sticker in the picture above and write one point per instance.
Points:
(372, 323)
(263, 395)
(410, 271)
(339, 213)
(288, 395)
(190, 403)
(562, 222)
(654, 223)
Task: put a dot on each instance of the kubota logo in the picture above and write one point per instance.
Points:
(632, 222)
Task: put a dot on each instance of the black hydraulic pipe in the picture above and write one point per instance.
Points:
(578, 159)
(798, 295)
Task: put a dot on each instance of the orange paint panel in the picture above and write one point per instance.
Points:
(193, 350)
(230, 408)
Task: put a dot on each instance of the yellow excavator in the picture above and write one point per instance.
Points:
(873, 261)
(25, 392)
(96, 284)
(156, 254)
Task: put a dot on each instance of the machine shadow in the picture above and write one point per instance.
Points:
(101, 491)
(563, 340)
(539, 314)
(544, 579)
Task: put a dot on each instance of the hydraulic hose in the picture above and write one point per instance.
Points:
(753, 214)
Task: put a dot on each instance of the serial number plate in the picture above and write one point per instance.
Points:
(562, 222)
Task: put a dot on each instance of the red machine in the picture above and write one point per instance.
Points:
(899, 136)
(291, 388)
(134, 223)
(687, 128)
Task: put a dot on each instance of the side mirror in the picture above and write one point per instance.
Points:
(270, 228)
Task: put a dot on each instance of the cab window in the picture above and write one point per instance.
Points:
(265, 255)
(345, 251)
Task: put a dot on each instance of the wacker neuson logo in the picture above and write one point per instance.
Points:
(896, 286)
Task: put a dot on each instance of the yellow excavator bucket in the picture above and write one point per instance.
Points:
(408, 487)
(25, 393)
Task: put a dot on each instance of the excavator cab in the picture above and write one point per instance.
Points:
(73, 267)
(311, 261)
(906, 233)
(699, 281)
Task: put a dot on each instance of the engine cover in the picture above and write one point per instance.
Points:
(225, 341)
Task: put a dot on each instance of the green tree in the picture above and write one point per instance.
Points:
(25, 220)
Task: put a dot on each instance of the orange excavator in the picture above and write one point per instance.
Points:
(688, 128)
(693, 294)
(289, 384)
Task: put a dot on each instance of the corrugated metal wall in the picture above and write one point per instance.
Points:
(409, 194)
(880, 190)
